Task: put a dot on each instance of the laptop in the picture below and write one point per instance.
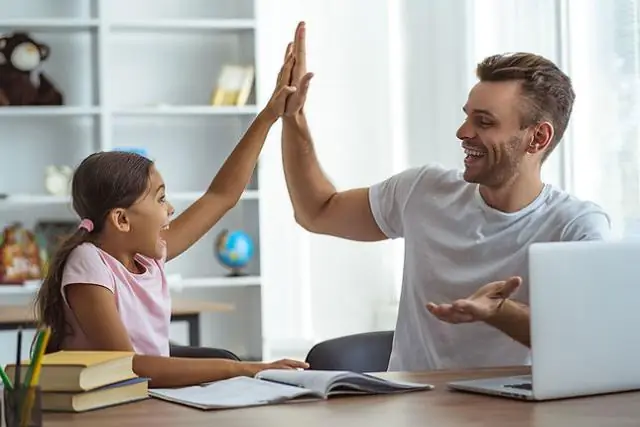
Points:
(585, 323)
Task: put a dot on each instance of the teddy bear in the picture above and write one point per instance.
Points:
(21, 80)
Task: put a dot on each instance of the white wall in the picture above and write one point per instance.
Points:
(436, 73)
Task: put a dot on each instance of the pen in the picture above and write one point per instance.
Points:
(16, 380)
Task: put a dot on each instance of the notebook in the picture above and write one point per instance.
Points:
(278, 386)
(81, 370)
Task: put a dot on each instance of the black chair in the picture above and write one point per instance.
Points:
(365, 352)
(176, 350)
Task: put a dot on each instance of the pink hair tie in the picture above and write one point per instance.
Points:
(87, 224)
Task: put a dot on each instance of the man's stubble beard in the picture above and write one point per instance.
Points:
(499, 174)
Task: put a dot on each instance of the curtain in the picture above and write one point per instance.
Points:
(602, 50)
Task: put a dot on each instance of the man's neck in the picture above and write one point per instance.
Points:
(514, 195)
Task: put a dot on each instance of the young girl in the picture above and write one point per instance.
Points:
(106, 288)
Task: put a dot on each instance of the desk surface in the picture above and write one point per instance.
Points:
(23, 313)
(439, 407)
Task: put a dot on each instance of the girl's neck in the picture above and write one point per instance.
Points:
(126, 258)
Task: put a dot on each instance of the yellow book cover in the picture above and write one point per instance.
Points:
(78, 358)
(81, 370)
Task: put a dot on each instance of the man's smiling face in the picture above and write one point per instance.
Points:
(492, 136)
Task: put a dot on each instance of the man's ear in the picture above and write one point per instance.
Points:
(541, 138)
(119, 220)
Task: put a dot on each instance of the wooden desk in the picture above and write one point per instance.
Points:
(12, 316)
(438, 408)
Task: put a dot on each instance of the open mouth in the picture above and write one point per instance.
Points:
(471, 152)
(165, 227)
(473, 155)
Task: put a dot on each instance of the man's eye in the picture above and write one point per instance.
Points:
(484, 122)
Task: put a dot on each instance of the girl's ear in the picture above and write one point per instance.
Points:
(119, 220)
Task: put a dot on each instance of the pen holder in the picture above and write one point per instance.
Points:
(22, 407)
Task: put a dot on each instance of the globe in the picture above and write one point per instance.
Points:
(234, 250)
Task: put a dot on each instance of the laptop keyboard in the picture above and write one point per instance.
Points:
(523, 386)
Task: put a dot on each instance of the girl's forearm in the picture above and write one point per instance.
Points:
(180, 372)
(235, 173)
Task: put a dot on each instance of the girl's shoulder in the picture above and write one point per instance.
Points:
(84, 251)
(86, 264)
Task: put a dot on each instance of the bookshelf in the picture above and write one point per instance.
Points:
(141, 74)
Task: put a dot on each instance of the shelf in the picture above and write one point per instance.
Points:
(216, 282)
(34, 199)
(199, 282)
(27, 289)
(186, 111)
(48, 111)
(184, 24)
(49, 24)
(46, 199)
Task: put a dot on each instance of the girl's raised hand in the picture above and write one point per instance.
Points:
(276, 106)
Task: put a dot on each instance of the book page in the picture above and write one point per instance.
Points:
(318, 381)
(232, 393)
(339, 382)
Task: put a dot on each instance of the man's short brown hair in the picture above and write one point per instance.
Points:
(548, 91)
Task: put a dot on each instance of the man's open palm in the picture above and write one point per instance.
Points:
(299, 77)
(480, 306)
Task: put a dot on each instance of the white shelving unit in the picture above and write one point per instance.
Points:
(140, 74)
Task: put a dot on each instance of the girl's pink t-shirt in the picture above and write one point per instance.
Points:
(143, 300)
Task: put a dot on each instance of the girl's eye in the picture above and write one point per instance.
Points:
(163, 199)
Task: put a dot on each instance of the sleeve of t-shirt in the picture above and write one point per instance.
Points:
(594, 224)
(85, 265)
(388, 199)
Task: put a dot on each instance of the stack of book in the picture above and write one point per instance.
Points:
(78, 381)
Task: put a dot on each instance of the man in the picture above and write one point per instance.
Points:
(461, 229)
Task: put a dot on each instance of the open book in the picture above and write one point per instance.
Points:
(277, 386)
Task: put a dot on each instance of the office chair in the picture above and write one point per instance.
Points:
(176, 350)
(365, 352)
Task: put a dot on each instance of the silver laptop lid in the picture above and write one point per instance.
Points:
(585, 321)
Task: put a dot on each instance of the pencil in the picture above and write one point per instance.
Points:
(5, 379)
(35, 352)
(38, 365)
(34, 374)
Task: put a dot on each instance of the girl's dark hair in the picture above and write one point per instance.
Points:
(102, 182)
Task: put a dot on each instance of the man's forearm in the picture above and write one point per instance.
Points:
(513, 319)
(309, 188)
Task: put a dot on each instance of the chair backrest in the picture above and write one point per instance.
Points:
(176, 350)
(365, 352)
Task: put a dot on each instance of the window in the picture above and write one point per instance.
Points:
(602, 50)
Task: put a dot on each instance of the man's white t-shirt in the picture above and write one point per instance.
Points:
(455, 243)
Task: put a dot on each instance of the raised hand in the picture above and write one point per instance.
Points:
(480, 306)
(300, 78)
(275, 108)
